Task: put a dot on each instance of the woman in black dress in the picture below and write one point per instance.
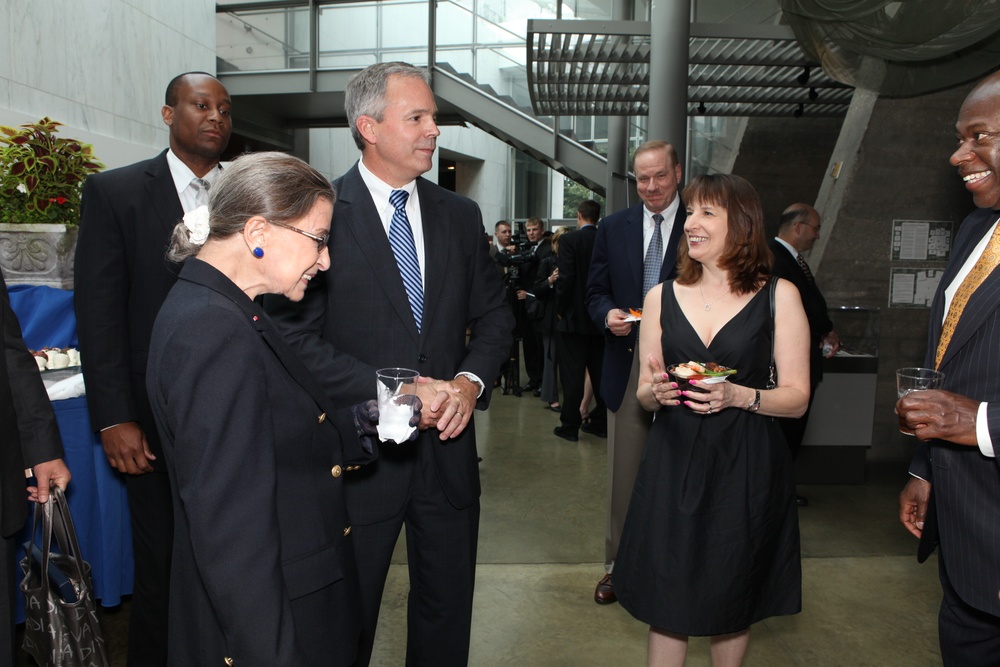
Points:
(711, 542)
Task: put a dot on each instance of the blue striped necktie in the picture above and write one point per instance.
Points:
(654, 258)
(405, 250)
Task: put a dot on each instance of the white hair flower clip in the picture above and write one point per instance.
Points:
(197, 223)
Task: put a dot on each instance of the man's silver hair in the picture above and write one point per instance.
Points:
(365, 95)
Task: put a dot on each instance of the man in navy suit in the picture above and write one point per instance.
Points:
(953, 496)
(359, 316)
(29, 438)
(580, 348)
(798, 230)
(616, 284)
(122, 278)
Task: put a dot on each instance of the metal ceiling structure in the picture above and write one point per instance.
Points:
(601, 68)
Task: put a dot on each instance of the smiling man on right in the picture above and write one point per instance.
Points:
(953, 496)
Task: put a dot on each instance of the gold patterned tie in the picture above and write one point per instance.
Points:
(983, 267)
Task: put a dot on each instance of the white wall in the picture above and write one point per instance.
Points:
(100, 67)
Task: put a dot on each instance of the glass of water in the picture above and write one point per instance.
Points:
(909, 380)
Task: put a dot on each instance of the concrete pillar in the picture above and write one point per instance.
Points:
(616, 195)
(670, 22)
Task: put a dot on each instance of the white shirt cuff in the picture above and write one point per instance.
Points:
(983, 432)
(474, 379)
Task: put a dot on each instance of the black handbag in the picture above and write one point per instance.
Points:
(61, 627)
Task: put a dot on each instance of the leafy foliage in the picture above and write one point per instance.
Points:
(41, 175)
(573, 194)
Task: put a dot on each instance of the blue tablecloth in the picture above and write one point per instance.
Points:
(46, 315)
(96, 494)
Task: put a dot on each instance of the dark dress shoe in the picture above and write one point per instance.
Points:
(566, 433)
(599, 431)
(800, 501)
(605, 591)
(555, 407)
(536, 393)
(531, 386)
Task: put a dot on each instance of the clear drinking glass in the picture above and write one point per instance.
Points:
(395, 387)
(909, 380)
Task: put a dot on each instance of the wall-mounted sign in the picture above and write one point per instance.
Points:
(921, 240)
(913, 288)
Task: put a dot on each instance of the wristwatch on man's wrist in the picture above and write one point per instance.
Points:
(755, 404)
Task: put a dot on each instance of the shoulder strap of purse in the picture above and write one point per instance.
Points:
(773, 286)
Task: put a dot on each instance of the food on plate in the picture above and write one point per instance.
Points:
(693, 370)
(49, 358)
(635, 312)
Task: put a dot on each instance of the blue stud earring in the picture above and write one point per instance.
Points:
(258, 252)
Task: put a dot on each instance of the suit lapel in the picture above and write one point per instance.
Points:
(163, 195)
(203, 274)
(634, 249)
(437, 230)
(669, 268)
(356, 210)
(983, 302)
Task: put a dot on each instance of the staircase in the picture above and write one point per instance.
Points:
(501, 117)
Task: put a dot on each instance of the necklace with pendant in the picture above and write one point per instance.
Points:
(708, 306)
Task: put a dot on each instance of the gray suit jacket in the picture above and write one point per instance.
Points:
(965, 492)
(355, 319)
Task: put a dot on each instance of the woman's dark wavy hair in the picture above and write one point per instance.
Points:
(746, 256)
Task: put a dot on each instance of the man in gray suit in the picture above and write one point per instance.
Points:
(372, 309)
(953, 495)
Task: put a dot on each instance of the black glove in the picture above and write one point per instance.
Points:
(366, 415)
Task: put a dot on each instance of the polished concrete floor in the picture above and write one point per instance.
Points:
(866, 601)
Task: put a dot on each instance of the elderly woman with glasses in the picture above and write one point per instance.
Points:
(263, 569)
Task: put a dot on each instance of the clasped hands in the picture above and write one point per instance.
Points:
(448, 404)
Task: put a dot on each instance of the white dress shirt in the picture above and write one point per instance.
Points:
(380, 191)
(183, 176)
(666, 227)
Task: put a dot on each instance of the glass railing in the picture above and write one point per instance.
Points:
(484, 39)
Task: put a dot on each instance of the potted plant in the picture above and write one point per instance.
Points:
(41, 176)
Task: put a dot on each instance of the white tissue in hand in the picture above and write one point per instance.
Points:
(394, 421)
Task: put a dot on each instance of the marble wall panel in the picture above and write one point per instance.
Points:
(101, 66)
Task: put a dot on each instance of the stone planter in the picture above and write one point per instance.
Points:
(38, 254)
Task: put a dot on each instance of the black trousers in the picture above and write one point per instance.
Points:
(968, 636)
(441, 543)
(577, 355)
(152, 511)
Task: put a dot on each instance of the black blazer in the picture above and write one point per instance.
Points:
(28, 431)
(615, 281)
(121, 277)
(263, 567)
(355, 319)
(576, 249)
(787, 267)
(965, 484)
